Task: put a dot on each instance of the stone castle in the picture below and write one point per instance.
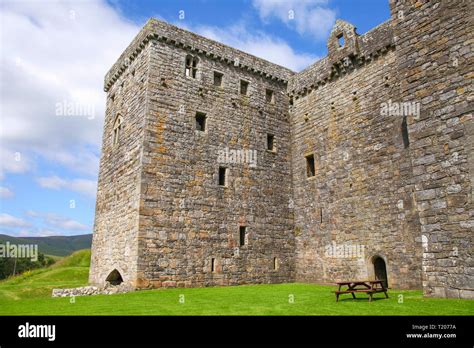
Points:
(221, 168)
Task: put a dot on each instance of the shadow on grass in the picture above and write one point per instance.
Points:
(361, 299)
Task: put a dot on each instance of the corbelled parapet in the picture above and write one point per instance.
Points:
(158, 30)
(343, 56)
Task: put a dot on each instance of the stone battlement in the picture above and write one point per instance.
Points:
(155, 29)
(341, 60)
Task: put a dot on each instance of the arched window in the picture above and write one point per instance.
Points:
(191, 66)
(117, 129)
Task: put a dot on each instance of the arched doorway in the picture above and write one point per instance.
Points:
(380, 270)
(114, 278)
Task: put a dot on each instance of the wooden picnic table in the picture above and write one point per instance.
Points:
(368, 287)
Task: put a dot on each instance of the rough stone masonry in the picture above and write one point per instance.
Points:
(363, 163)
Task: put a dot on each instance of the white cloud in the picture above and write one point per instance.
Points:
(311, 17)
(47, 233)
(69, 224)
(83, 161)
(83, 186)
(58, 221)
(13, 162)
(69, 47)
(7, 220)
(54, 221)
(5, 192)
(52, 182)
(256, 43)
(41, 224)
(20, 233)
(55, 52)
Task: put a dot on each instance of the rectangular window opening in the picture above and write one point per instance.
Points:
(270, 142)
(200, 121)
(310, 168)
(188, 66)
(269, 96)
(242, 234)
(218, 79)
(244, 85)
(275, 263)
(222, 176)
(191, 66)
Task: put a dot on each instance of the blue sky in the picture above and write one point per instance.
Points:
(51, 93)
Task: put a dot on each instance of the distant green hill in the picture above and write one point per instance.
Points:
(54, 245)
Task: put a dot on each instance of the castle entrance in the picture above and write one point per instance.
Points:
(380, 270)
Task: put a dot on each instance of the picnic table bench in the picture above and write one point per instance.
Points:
(368, 287)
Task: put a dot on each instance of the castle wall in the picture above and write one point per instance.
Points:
(435, 65)
(114, 244)
(359, 204)
(386, 184)
(186, 218)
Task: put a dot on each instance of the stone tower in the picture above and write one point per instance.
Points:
(220, 168)
(191, 193)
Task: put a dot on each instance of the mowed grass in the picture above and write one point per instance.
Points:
(71, 271)
(31, 295)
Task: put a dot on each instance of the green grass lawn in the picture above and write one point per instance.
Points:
(30, 294)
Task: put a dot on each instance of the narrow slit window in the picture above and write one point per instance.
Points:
(406, 139)
(194, 69)
(117, 129)
(242, 235)
(218, 79)
(200, 121)
(269, 96)
(270, 142)
(310, 168)
(222, 176)
(244, 86)
(275, 263)
(213, 265)
(320, 215)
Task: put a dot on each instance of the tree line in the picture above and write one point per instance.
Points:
(10, 266)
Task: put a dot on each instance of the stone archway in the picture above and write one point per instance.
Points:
(380, 269)
(114, 278)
